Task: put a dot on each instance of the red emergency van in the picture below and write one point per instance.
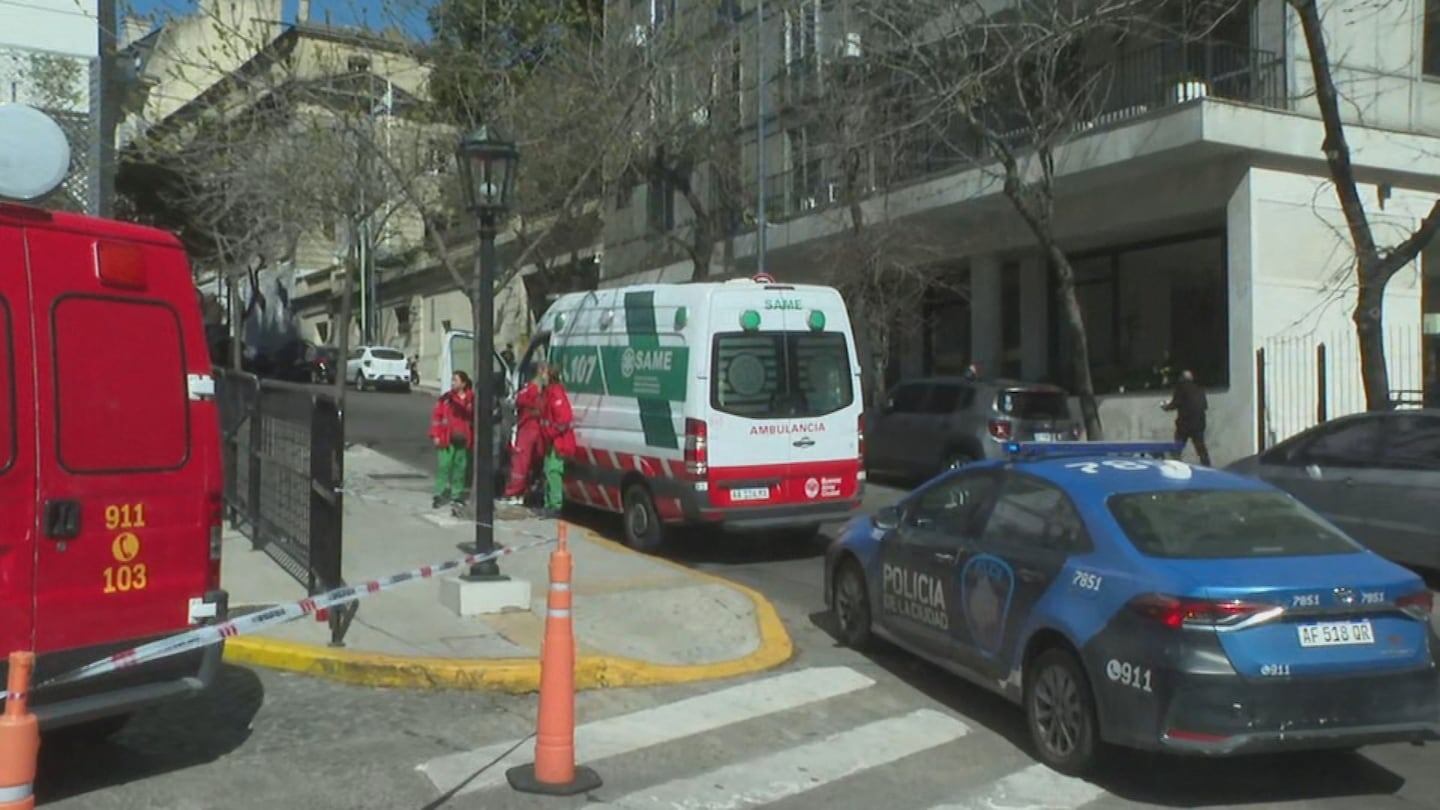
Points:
(110, 472)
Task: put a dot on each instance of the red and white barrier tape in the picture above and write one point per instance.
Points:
(270, 617)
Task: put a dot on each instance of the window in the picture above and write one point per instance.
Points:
(1431, 52)
(1035, 516)
(908, 398)
(1224, 524)
(1412, 442)
(947, 399)
(8, 436)
(1352, 443)
(387, 354)
(1150, 311)
(1033, 404)
(954, 506)
(660, 201)
(118, 383)
(781, 375)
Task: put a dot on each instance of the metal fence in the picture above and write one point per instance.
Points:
(284, 451)
(1308, 379)
(65, 87)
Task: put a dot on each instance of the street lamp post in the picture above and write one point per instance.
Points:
(487, 171)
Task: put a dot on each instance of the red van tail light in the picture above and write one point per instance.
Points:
(1176, 612)
(697, 447)
(1001, 429)
(120, 265)
(215, 503)
(1417, 605)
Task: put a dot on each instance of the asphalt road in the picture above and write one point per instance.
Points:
(835, 729)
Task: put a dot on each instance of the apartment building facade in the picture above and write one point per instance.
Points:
(1195, 206)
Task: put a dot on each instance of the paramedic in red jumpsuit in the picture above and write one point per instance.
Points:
(529, 444)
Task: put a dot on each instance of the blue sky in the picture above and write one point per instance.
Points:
(374, 13)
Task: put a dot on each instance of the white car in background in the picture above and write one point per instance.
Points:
(377, 367)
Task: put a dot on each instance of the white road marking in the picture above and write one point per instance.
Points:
(796, 770)
(661, 724)
(1034, 788)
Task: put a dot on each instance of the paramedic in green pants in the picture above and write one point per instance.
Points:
(556, 419)
(452, 429)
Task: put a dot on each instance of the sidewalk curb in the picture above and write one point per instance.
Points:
(518, 675)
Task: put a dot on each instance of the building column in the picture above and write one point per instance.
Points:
(1034, 318)
(985, 335)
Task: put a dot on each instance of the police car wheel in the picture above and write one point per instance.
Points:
(643, 531)
(1060, 711)
(852, 606)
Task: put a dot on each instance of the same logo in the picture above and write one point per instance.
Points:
(812, 488)
(627, 363)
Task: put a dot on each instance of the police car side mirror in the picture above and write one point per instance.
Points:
(887, 519)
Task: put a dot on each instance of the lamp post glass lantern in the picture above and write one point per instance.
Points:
(487, 173)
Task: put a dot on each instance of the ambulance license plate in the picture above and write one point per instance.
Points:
(750, 494)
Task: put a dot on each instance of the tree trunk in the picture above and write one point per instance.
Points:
(1080, 345)
(1369, 317)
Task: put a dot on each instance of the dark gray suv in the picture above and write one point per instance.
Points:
(930, 425)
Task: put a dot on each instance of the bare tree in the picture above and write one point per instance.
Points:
(1375, 264)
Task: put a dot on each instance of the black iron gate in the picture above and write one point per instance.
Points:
(284, 478)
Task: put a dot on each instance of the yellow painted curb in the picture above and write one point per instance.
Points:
(518, 675)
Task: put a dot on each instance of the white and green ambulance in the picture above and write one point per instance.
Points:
(731, 404)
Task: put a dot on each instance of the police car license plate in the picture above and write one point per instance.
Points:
(750, 494)
(1335, 634)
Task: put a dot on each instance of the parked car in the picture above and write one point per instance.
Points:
(1375, 475)
(926, 426)
(378, 367)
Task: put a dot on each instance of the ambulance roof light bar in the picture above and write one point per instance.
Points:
(34, 153)
(1040, 451)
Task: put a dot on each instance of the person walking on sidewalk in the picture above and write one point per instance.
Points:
(525, 454)
(557, 421)
(452, 429)
(1188, 403)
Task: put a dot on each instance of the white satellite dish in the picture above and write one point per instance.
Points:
(34, 153)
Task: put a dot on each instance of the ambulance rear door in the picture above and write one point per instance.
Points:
(17, 445)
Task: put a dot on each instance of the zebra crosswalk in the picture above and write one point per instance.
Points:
(785, 736)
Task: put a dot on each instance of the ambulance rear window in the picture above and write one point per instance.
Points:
(781, 375)
(121, 397)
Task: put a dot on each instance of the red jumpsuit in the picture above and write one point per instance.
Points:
(529, 444)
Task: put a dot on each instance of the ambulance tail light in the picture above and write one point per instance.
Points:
(215, 516)
(697, 448)
(1001, 429)
(860, 446)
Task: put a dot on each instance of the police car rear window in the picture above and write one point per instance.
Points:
(781, 375)
(1216, 524)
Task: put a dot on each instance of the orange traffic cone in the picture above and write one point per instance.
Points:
(19, 738)
(554, 772)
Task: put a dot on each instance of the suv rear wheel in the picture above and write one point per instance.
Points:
(1060, 711)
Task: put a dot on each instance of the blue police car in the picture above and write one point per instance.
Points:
(1124, 599)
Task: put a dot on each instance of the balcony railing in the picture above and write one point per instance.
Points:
(1136, 84)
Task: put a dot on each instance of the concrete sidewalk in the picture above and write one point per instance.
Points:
(639, 620)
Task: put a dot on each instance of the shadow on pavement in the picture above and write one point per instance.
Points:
(1147, 777)
(709, 546)
(157, 740)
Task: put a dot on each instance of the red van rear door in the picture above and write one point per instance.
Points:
(17, 446)
(123, 544)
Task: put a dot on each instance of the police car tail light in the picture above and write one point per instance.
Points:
(1176, 612)
(1001, 429)
(697, 447)
(1417, 605)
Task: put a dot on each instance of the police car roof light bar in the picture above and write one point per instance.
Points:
(1036, 451)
